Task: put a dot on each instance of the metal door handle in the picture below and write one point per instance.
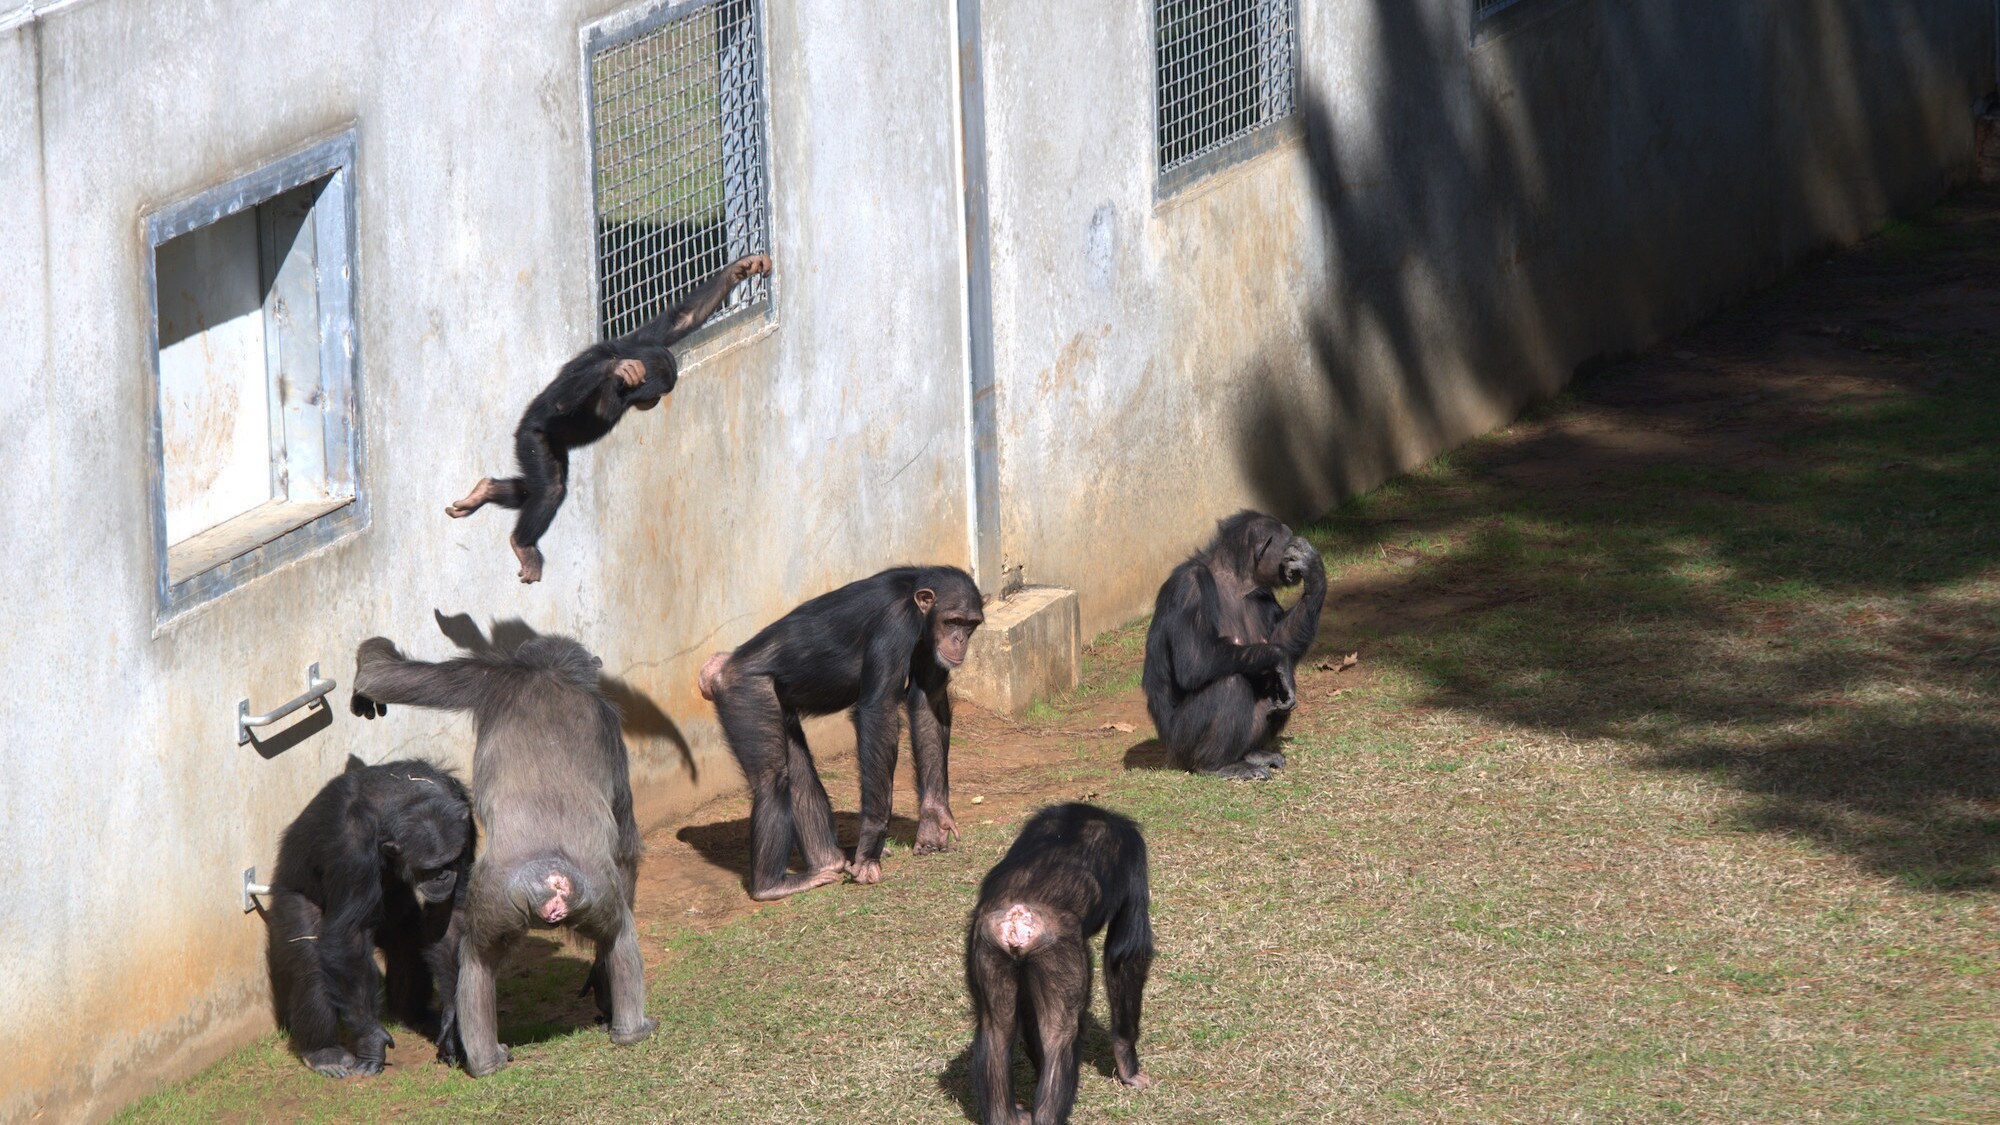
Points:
(316, 690)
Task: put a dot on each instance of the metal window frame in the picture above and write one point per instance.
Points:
(616, 30)
(1483, 10)
(1259, 139)
(1508, 16)
(333, 216)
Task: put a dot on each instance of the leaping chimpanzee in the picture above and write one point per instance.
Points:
(377, 860)
(870, 645)
(588, 397)
(1221, 654)
(1074, 870)
(551, 785)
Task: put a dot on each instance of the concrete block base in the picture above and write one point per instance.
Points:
(1030, 648)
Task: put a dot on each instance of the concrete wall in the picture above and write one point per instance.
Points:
(1464, 220)
(801, 456)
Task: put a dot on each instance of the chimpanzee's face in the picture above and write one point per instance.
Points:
(1277, 557)
(426, 853)
(952, 617)
(952, 634)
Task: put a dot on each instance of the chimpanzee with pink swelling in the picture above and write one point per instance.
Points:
(552, 789)
(1075, 869)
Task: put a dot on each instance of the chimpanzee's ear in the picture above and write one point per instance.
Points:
(925, 599)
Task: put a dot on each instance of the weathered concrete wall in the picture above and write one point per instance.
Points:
(1467, 219)
(793, 457)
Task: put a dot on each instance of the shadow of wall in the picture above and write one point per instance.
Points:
(1495, 210)
(1453, 222)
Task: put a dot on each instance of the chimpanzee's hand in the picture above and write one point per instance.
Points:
(365, 707)
(449, 1052)
(744, 267)
(1301, 561)
(630, 372)
(1284, 693)
(1260, 658)
(936, 831)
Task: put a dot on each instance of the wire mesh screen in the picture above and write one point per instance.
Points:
(677, 122)
(1226, 68)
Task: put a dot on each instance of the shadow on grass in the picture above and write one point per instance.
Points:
(1148, 755)
(726, 843)
(538, 991)
(1769, 557)
(956, 1078)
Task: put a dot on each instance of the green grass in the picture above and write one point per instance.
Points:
(1668, 794)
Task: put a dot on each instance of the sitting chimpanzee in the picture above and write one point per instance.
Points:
(1221, 654)
(870, 645)
(552, 785)
(1075, 869)
(587, 398)
(377, 860)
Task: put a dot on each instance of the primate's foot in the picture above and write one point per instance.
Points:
(1139, 1080)
(531, 561)
(1273, 757)
(936, 832)
(474, 500)
(636, 1033)
(479, 1066)
(793, 884)
(334, 1062)
(865, 870)
(630, 372)
(754, 264)
(1245, 770)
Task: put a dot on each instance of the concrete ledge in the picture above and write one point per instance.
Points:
(1030, 648)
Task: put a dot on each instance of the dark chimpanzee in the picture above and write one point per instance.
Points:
(377, 860)
(587, 398)
(1221, 655)
(893, 638)
(551, 786)
(1074, 870)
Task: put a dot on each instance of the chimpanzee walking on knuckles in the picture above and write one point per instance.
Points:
(588, 397)
(871, 645)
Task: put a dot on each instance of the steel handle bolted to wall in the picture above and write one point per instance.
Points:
(316, 690)
(252, 888)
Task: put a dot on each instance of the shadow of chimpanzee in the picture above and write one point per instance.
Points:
(1148, 755)
(638, 714)
(726, 843)
(956, 1077)
(538, 997)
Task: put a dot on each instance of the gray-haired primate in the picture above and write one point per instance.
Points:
(588, 397)
(551, 789)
